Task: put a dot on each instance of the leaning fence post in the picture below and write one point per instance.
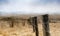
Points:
(33, 24)
(12, 23)
(46, 25)
(36, 26)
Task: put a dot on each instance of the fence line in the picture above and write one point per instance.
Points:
(34, 24)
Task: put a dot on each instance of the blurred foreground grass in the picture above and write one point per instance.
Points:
(27, 30)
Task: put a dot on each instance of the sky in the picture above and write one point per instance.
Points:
(30, 6)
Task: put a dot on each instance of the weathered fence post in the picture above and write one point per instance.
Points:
(36, 25)
(12, 23)
(46, 25)
(33, 24)
(23, 23)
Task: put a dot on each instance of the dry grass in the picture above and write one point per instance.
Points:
(20, 30)
(55, 29)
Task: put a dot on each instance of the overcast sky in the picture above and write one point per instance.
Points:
(30, 6)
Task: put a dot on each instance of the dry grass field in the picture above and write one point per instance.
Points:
(27, 30)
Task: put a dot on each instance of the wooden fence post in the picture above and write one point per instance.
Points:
(33, 24)
(36, 26)
(12, 23)
(46, 25)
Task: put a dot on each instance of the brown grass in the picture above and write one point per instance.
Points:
(27, 30)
